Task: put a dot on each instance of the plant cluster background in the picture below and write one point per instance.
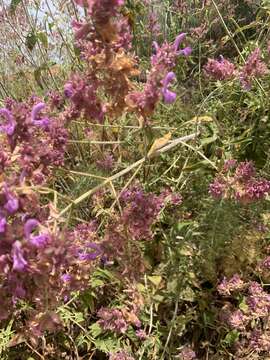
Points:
(134, 179)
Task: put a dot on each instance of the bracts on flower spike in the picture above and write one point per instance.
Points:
(10, 125)
(35, 112)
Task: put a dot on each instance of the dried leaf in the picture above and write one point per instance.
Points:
(202, 119)
(159, 143)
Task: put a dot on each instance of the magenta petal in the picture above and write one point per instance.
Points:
(8, 128)
(68, 90)
(36, 110)
(168, 96)
(178, 40)
(3, 224)
(36, 240)
(81, 30)
(39, 240)
(91, 255)
(186, 51)
(19, 263)
(42, 123)
(29, 226)
(19, 292)
(66, 277)
(168, 79)
(12, 205)
(75, 24)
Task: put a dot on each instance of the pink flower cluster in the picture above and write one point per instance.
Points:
(221, 69)
(103, 44)
(159, 79)
(248, 319)
(260, 341)
(83, 94)
(140, 210)
(117, 320)
(227, 287)
(254, 68)
(39, 142)
(101, 10)
(187, 354)
(41, 263)
(112, 320)
(121, 355)
(239, 182)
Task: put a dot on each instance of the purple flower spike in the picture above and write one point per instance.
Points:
(36, 240)
(3, 224)
(180, 38)
(19, 262)
(42, 123)
(186, 51)
(91, 255)
(12, 204)
(9, 128)
(168, 96)
(80, 29)
(39, 240)
(35, 112)
(66, 278)
(168, 79)
(29, 226)
(155, 46)
(68, 90)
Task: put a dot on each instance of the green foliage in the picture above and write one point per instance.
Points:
(5, 337)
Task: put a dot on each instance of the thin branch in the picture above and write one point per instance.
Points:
(127, 170)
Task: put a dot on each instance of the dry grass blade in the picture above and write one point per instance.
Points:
(121, 173)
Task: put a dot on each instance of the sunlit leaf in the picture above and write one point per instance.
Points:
(42, 37)
(159, 143)
(156, 280)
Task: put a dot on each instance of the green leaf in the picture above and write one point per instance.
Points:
(107, 345)
(70, 316)
(42, 37)
(172, 286)
(38, 73)
(231, 337)
(181, 225)
(95, 330)
(31, 40)
(187, 294)
(5, 336)
(243, 306)
(155, 280)
(208, 140)
(37, 76)
(97, 283)
(197, 166)
(13, 6)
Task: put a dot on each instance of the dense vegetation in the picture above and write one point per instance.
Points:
(135, 179)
